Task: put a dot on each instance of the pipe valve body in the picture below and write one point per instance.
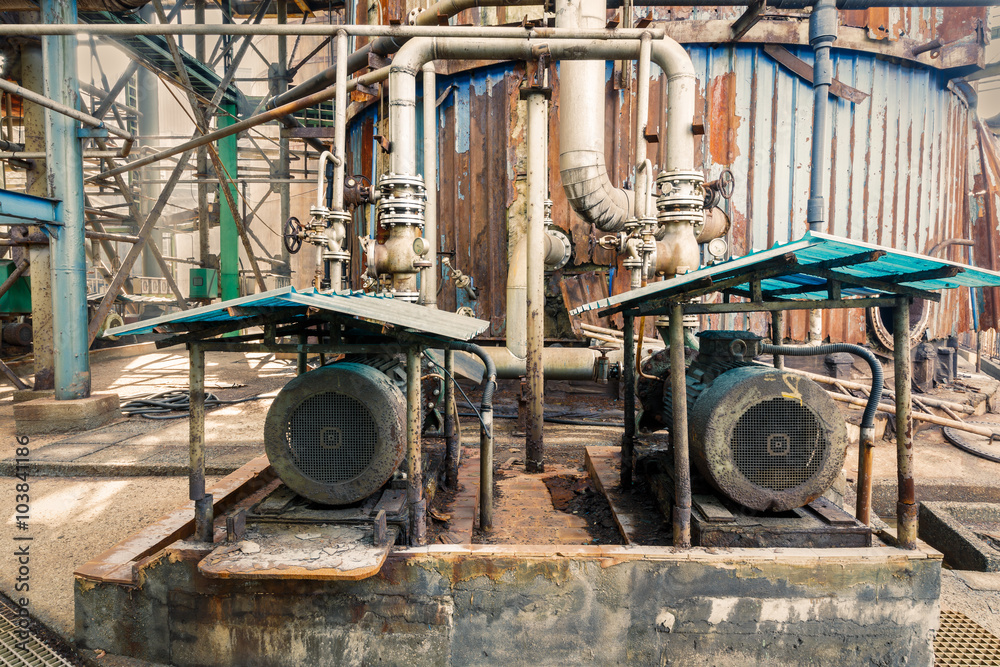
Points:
(401, 211)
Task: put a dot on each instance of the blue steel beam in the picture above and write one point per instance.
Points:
(64, 162)
(17, 208)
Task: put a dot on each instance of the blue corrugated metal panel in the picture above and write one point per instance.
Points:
(383, 310)
(813, 249)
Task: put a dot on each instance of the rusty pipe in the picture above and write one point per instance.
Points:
(30, 95)
(537, 139)
(906, 507)
(414, 476)
(679, 431)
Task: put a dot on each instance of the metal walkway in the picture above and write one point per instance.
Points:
(35, 651)
(962, 641)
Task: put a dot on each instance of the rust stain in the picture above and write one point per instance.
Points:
(722, 119)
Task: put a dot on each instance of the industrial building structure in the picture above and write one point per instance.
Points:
(482, 191)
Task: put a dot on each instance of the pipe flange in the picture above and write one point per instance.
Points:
(559, 236)
(391, 183)
(387, 220)
(343, 217)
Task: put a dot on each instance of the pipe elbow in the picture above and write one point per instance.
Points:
(412, 56)
(672, 58)
(590, 192)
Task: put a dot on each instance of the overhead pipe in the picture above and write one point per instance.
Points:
(385, 46)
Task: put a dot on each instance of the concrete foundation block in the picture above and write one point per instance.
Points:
(47, 415)
(25, 395)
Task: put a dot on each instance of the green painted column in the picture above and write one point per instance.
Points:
(229, 241)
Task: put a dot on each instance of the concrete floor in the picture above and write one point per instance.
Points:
(107, 491)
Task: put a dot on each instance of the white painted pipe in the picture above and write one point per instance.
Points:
(558, 363)
(429, 276)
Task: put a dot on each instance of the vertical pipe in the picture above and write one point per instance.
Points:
(203, 514)
(777, 335)
(486, 462)
(284, 152)
(39, 255)
(866, 456)
(641, 121)
(414, 477)
(628, 371)
(301, 365)
(148, 85)
(340, 122)
(64, 163)
(906, 506)
(452, 440)
(823, 24)
(679, 430)
(538, 120)
(204, 249)
(429, 275)
(229, 250)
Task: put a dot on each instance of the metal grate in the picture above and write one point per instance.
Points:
(332, 437)
(35, 652)
(777, 444)
(962, 641)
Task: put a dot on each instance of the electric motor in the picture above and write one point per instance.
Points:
(336, 434)
(765, 438)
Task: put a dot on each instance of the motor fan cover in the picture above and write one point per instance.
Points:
(336, 434)
(768, 439)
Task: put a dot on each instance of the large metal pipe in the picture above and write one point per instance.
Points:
(584, 168)
(84, 5)
(558, 363)
(538, 172)
(64, 164)
(429, 275)
(628, 377)
(203, 508)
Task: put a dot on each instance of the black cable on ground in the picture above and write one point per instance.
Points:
(174, 404)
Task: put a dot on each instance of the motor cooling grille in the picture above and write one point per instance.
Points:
(332, 437)
(778, 444)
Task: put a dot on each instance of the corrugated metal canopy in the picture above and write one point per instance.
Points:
(381, 310)
(815, 251)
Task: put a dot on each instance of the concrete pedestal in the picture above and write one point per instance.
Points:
(47, 415)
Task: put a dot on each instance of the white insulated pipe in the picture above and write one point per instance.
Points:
(538, 177)
(429, 275)
(340, 121)
(576, 106)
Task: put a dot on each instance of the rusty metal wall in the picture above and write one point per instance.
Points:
(899, 164)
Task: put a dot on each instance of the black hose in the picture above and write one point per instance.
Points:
(868, 418)
(164, 403)
(486, 403)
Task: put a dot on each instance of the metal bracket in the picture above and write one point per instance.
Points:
(748, 19)
(376, 61)
(92, 132)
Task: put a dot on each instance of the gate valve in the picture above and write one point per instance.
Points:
(293, 235)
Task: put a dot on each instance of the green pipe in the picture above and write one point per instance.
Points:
(229, 242)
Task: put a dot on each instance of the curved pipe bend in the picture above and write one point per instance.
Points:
(615, 204)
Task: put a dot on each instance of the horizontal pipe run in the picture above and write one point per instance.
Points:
(559, 363)
(43, 101)
(39, 155)
(315, 29)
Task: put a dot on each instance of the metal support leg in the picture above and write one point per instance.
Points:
(628, 370)
(203, 510)
(866, 456)
(301, 365)
(906, 506)
(679, 431)
(453, 442)
(777, 331)
(414, 473)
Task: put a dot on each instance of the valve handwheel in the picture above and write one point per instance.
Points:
(727, 184)
(293, 235)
